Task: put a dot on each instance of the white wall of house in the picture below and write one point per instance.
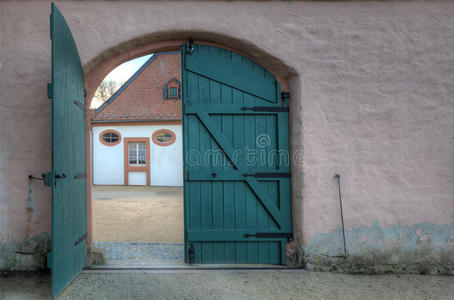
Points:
(166, 162)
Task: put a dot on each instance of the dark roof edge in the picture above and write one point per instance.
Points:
(133, 121)
(131, 79)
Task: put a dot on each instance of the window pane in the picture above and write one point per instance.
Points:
(142, 152)
(164, 137)
(142, 157)
(142, 146)
(167, 137)
(137, 153)
(160, 138)
(173, 92)
(110, 137)
(132, 153)
(132, 158)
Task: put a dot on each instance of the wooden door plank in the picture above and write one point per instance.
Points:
(253, 183)
(236, 71)
(217, 187)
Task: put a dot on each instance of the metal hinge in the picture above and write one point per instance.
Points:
(79, 105)
(47, 178)
(49, 91)
(80, 175)
(186, 175)
(287, 235)
(50, 24)
(191, 254)
(266, 108)
(81, 239)
(190, 47)
(268, 175)
(285, 96)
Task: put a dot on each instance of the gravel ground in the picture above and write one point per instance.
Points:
(138, 214)
(229, 284)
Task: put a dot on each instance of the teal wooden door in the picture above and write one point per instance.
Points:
(236, 160)
(68, 175)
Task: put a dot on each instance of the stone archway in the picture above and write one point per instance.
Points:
(101, 65)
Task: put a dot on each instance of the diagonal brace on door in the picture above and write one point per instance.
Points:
(254, 184)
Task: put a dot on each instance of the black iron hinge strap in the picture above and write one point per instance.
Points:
(49, 90)
(268, 175)
(79, 105)
(81, 239)
(190, 47)
(270, 235)
(265, 108)
(80, 175)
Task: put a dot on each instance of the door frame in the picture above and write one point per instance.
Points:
(128, 168)
(94, 77)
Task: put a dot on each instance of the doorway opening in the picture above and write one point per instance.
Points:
(237, 211)
(137, 164)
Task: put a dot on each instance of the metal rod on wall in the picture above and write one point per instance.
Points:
(337, 176)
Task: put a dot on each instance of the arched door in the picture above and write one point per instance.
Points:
(236, 160)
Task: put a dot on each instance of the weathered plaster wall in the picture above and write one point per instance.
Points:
(371, 84)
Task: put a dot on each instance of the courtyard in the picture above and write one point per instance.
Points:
(137, 226)
(138, 214)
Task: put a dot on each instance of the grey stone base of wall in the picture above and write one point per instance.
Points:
(28, 255)
(31, 254)
(374, 265)
(423, 248)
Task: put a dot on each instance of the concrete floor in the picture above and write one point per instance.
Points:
(138, 214)
(228, 284)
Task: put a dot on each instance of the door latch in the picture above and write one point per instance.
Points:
(191, 254)
(45, 177)
(59, 176)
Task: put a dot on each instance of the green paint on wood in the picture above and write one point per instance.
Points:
(68, 157)
(237, 71)
(225, 139)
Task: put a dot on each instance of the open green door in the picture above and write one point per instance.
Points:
(69, 232)
(236, 160)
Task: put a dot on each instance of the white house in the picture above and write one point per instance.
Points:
(137, 133)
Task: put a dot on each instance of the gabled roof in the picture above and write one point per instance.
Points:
(131, 79)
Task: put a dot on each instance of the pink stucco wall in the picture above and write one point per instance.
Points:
(371, 99)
